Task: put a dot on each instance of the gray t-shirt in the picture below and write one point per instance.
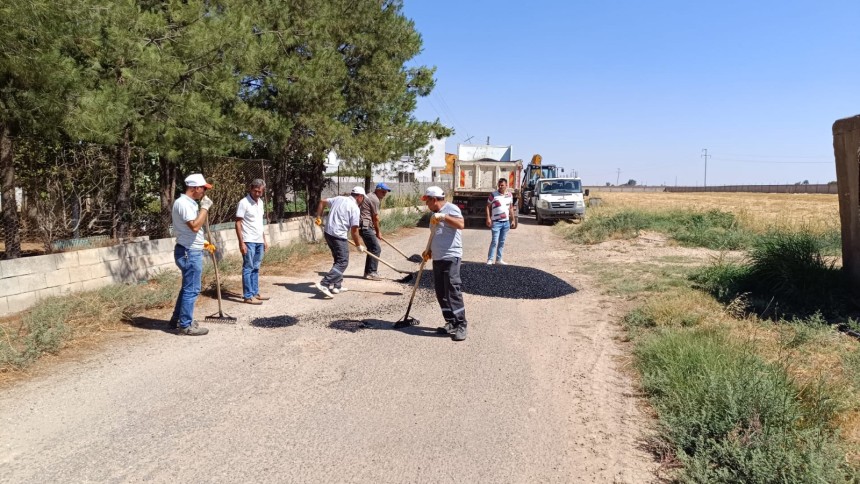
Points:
(185, 209)
(447, 242)
(343, 214)
(369, 208)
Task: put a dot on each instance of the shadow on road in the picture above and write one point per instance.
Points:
(356, 325)
(144, 322)
(274, 322)
(301, 287)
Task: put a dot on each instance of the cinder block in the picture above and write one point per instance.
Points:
(80, 273)
(21, 284)
(27, 265)
(20, 302)
(89, 257)
(43, 294)
(99, 283)
(165, 245)
(65, 260)
(4, 306)
(57, 278)
(112, 253)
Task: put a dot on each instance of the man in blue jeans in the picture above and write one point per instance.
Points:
(188, 219)
(250, 216)
(500, 218)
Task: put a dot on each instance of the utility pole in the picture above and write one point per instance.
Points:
(488, 140)
(705, 155)
(617, 176)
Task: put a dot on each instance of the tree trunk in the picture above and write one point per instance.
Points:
(368, 176)
(279, 186)
(316, 183)
(11, 224)
(167, 192)
(122, 205)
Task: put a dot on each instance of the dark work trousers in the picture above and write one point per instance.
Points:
(449, 291)
(340, 253)
(373, 247)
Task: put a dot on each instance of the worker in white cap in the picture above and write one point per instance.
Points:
(188, 219)
(342, 222)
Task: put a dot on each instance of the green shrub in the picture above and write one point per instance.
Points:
(391, 221)
(730, 417)
(725, 281)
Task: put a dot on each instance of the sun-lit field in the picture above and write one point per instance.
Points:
(755, 211)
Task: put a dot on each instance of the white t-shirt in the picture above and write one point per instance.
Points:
(252, 216)
(500, 205)
(343, 214)
(185, 209)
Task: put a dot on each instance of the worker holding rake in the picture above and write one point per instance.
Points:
(342, 222)
(188, 219)
(370, 230)
(446, 250)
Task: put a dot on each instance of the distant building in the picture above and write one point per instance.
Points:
(401, 170)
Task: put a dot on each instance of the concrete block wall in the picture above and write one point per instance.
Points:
(26, 281)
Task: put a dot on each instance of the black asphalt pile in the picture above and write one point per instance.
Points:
(274, 322)
(512, 282)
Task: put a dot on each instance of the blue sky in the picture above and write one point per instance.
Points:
(643, 87)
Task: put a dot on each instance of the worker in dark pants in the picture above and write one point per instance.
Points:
(342, 222)
(446, 250)
(369, 229)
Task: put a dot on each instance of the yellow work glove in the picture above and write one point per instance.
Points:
(209, 247)
(426, 255)
(436, 218)
(318, 221)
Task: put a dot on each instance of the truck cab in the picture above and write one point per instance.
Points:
(559, 199)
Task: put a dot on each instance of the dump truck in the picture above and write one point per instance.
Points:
(475, 179)
(559, 199)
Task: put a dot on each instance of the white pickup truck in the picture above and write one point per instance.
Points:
(559, 199)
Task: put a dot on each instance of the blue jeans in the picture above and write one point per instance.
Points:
(251, 269)
(500, 231)
(190, 263)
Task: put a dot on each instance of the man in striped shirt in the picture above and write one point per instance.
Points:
(500, 219)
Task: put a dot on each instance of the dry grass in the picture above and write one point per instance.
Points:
(758, 212)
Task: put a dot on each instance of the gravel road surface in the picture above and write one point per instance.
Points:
(298, 391)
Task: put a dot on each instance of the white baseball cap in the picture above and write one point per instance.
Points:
(357, 191)
(196, 180)
(434, 192)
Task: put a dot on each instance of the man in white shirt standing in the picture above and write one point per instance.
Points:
(342, 221)
(188, 219)
(500, 219)
(250, 216)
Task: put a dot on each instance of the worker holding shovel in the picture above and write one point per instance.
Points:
(342, 222)
(370, 231)
(188, 219)
(446, 250)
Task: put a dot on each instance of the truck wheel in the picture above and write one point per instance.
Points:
(526, 209)
(538, 218)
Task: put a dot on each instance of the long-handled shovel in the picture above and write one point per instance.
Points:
(410, 258)
(218, 317)
(408, 320)
(407, 278)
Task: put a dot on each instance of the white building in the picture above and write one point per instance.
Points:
(401, 170)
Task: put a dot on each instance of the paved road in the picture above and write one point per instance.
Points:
(296, 392)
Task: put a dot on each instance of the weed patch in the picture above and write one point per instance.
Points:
(731, 417)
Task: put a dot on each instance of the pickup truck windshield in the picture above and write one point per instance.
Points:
(561, 186)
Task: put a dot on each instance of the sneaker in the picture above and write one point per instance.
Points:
(500, 261)
(460, 333)
(446, 330)
(489, 262)
(338, 290)
(193, 330)
(372, 277)
(324, 290)
(250, 300)
(262, 298)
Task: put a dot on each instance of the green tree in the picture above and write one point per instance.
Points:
(160, 75)
(38, 77)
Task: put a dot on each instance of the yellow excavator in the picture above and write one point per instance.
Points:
(532, 173)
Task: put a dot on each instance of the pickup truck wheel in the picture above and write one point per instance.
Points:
(538, 218)
(526, 210)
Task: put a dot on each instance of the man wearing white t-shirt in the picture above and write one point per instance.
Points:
(500, 218)
(250, 216)
(342, 222)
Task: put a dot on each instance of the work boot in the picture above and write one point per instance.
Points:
(460, 332)
(250, 300)
(372, 277)
(261, 298)
(446, 330)
(193, 330)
